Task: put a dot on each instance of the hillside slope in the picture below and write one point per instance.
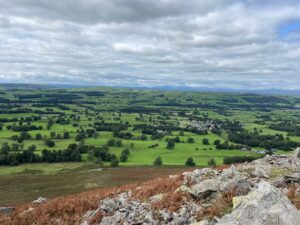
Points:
(263, 192)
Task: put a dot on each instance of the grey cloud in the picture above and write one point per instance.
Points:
(150, 43)
(94, 11)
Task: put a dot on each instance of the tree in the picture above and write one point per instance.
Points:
(205, 141)
(158, 161)
(32, 148)
(118, 143)
(124, 155)
(217, 142)
(170, 144)
(52, 134)
(211, 162)
(79, 137)
(49, 143)
(190, 140)
(66, 135)
(38, 136)
(143, 137)
(110, 142)
(190, 162)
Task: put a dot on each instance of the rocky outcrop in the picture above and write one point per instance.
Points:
(256, 201)
(229, 179)
(261, 172)
(293, 178)
(264, 192)
(124, 210)
(265, 205)
(6, 210)
(282, 161)
(297, 153)
(40, 200)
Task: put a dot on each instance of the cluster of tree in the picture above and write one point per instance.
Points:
(114, 142)
(125, 135)
(21, 137)
(289, 126)
(226, 146)
(68, 155)
(254, 139)
(28, 156)
(19, 128)
(156, 132)
(238, 159)
(114, 127)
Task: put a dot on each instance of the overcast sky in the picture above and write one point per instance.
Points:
(253, 44)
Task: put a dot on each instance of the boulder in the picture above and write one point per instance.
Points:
(205, 188)
(265, 205)
(240, 186)
(230, 173)
(6, 210)
(40, 200)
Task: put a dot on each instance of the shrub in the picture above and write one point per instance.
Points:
(211, 162)
(114, 162)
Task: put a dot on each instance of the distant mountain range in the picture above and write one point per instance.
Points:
(165, 88)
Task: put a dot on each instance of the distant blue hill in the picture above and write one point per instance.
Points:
(165, 88)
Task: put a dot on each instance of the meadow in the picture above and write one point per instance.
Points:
(49, 131)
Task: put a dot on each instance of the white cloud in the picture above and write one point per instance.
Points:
(150, 42)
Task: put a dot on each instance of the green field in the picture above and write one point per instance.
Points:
(57, 141)
(155, 115)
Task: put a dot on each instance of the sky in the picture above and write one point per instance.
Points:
(237, 44)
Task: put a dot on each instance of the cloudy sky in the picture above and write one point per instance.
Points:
(199, 43)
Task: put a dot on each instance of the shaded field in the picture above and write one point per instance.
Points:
(19, 188)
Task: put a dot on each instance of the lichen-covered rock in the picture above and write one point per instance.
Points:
(265, 205)
(156, 198)
(289, 162)
(88, 217)
(205, 188)
(261, 172)
(116, 219)
(198, 175)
